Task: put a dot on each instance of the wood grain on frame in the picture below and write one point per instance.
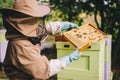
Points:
(84, 36)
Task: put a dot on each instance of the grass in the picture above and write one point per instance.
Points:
(3, 76)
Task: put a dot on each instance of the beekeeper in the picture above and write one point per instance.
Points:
(25, 30)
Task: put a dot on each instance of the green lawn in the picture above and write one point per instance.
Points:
(3, 76)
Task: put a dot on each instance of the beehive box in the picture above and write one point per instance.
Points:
(3, 45)
(90, 66)
(84, 36)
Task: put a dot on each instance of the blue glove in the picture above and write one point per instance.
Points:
(75, 55)
(67, 26)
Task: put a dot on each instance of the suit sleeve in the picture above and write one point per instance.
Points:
(53, 27)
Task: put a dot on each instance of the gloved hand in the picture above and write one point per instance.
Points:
(75, 55)
(67, 26)
(59, 27)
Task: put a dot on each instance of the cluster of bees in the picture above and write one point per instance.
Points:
(88, 33)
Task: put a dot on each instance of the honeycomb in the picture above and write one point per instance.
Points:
(84, 36)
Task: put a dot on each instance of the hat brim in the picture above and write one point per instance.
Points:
(43, 11)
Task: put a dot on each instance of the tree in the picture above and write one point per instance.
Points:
(5, 4)
(67, 10)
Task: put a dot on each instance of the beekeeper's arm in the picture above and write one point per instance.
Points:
(56, 65)
(56, 27)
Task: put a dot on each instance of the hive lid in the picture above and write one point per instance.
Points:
(84, 36)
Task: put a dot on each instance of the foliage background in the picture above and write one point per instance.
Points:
(105, 14)
(5, 4)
